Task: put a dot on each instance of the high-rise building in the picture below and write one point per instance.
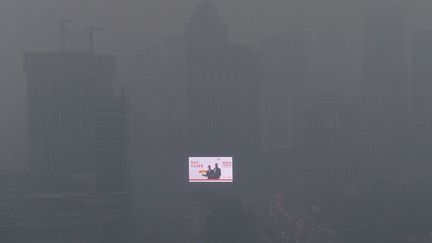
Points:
(285, 64)
(421, 98)
(245, 73)
(223, 86)
(386, 78)
(211, 117)
(422, 73)
(76, 123)
(328, 131)
(206, 35)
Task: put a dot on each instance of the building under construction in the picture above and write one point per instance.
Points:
(76, 123)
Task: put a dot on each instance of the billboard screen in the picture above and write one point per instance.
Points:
(210, 169)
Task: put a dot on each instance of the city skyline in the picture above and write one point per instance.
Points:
(13, 90)
(323, 109)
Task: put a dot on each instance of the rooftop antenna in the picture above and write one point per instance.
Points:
(62, 25)
(91, 30)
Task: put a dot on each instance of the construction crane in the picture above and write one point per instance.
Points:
(91, 30)
(62, 25)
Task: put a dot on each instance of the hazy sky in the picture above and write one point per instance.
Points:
(136, 26)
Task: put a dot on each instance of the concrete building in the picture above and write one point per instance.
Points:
(422, 100)
(422, 72)
(284, 92)
(223, 87)
(75, 121)
(211, 117)
(386, 79)
(328, 140)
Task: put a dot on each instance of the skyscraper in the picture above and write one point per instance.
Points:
(285, 64)
(328, 138)
(75, 122)
(421, 97)
(245, 73)
(422, 73)
(386, 78)
(223, 86)
(211, 117)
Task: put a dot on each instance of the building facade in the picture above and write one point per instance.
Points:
(75, 121)
(386, 78)
(223, 87)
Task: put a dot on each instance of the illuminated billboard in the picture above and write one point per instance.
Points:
(210, 169)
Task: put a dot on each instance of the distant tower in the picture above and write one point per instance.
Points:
(245, 73)
(422, 98)
(206, 33)
(212, 119)
(75, 122)
(223, 87)
(285, 64)
(326, 137)
(386, 78)
(422, 73)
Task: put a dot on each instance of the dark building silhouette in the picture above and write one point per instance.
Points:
(328, 140)
(223, 86)
(422, 99)
(65, 217)
(245, 73)
(211, 117)
(285, 64)
(386, 79)
(75, 121)
(422, 73)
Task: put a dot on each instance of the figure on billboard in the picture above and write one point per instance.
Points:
(217, 172)
(210, 173)
(213, 174)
